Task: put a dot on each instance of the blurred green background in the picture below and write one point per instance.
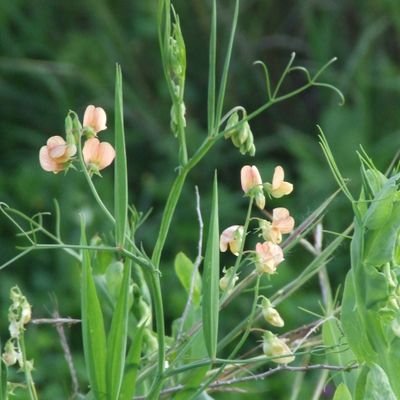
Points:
(56, 56)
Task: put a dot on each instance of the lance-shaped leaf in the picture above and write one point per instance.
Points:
(121, 176)
(117, 337)
(211, 278)
(132, 364)
(93, 334)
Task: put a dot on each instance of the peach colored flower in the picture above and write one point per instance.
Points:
(97, 155)
(95, 119)
(251, 182)
(250, 178)
(282, 223)
(268, 256)
(279, 187)
(231, 237)
(56, 154)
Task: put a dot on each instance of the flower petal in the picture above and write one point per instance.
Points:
(105, 155)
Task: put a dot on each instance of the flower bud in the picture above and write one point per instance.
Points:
(274, 347)
(270, 314)
(228, 281)
(231, 127)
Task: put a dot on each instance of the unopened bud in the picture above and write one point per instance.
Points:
(228, 281)
(274, 347)
(270, 314)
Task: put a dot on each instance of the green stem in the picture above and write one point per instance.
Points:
(155, 287)
(28, 376)
(91, 185)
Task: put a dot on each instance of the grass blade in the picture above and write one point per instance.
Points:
(121, 175)
(93, 334)
(117, 337)
(211, 279)
(211, 70)
(224, 78)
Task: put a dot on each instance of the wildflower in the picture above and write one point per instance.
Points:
(251, 183)
(279, 187)
(97, 155)
(273, 347)
(231, 237)
(228, 281)
(268, 256)
(55, 156)
(270, 314)
(282, 223)
(94, 120)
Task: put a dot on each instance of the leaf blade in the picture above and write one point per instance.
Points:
(93, 333)
(121, 175)
(117, 337)
(210, 306)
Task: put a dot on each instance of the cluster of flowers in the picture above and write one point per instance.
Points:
(268, 254)
(19, 314)
(59, 154)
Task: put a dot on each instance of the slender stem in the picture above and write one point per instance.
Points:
(27, 369)
(155, 287)
(91, 185)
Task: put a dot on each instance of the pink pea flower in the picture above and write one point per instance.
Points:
(282, 223)
(231, 237)
(268, 256)
(94, 119)
(97, 155)
(55, 156)
(251, 182)
(250, 178)
(279, 187)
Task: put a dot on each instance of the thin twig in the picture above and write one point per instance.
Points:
(263, 375)
(196, 265)
(55, 321)
(67, 353)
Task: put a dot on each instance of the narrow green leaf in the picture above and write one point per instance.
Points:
(121, 176)
(342, 393)
(93, 334)
(132, 364)
(224, 78)
(211, 69)
(117, 338)
(211, 278)
(184, 270)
